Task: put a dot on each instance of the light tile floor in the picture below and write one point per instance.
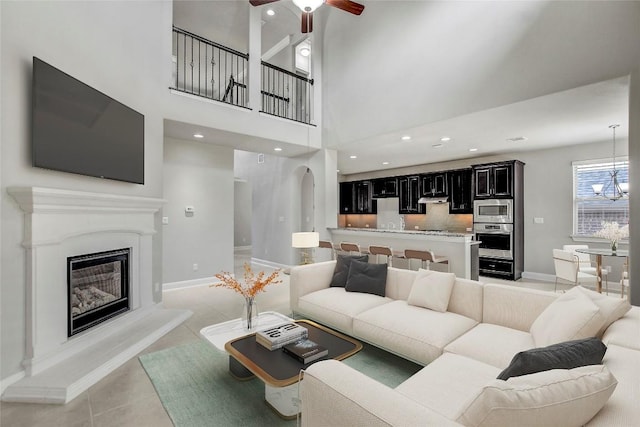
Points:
(126, 397)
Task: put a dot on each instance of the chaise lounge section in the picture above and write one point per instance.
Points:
(465, 348)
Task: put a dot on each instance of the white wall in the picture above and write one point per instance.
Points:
(119, 48)
(243, 211)
(200, 175)
(634, 178)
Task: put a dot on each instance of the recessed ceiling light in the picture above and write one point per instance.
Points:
(445, 139)
(385, 163)
(406, 138)
(277, 149)
(438, 145)
(198, 135)
(305, 51)
(516, 139)
(353, 157)
(270, 12)
(473, 149)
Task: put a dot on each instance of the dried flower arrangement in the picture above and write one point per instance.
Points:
(253, 284)
(613, 233)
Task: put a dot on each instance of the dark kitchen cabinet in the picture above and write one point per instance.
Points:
(434, 184)
(460, 191)
(355, 197)
(384, 187)
(409, 193)
(494, 181)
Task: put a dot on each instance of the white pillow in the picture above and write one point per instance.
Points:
(560, 397)
(432, 290)
(611, 308)
(570, 317)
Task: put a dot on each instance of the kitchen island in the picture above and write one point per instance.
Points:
(460, 248)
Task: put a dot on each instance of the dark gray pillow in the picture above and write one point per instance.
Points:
(341, 272)
(564, 355)
(367, 278)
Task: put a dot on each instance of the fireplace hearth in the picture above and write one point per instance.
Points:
(98, 288)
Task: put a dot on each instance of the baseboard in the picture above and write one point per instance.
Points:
(271, 264)
(242, 248)
(11, 379)
(204, 281)
(543, 277)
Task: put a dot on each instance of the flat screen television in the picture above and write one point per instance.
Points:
(78, 129)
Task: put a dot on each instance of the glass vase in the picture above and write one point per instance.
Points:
(249, 313)
(614, 246)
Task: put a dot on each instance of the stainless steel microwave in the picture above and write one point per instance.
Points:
(493, 210)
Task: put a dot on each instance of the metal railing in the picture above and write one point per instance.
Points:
(285, 94)
(208, 69)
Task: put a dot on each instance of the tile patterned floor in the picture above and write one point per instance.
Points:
(126, 397)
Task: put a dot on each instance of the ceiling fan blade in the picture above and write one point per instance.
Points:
(307, 22)
(261, 2)
(347, 6)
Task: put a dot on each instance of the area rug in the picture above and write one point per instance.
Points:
(196, 389)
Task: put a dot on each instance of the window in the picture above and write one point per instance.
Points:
(590, 210)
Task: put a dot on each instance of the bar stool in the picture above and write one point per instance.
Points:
(350, 248)
(382, 250)
(427, 257)
(328, 245)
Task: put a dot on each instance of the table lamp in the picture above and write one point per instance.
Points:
(305, 240)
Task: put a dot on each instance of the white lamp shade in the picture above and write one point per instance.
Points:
(308, 5)
(597, 188)
(309, 239)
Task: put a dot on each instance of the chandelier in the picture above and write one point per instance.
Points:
(613, 189)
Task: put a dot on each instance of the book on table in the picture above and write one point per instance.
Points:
(278, 336)
(306, 351)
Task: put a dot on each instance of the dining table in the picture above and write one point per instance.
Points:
(599, 253)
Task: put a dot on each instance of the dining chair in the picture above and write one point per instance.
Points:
(382, 250)
(567, 267)
(350, 248)
(584, 259)
(326, 244)
(427, 257)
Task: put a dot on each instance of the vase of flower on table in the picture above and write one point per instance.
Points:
(613, 233)
(252, 285)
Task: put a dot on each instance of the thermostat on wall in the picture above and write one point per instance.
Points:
(189, 209)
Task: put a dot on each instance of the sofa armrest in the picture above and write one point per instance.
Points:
(334, 394)
(308, 278)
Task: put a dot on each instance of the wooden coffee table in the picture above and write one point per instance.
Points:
(278, 370)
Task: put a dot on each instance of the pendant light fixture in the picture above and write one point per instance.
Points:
(613, 189)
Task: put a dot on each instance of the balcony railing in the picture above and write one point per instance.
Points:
(208, 69)
(285, 94)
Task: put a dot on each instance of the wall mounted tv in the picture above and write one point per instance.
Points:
(78, 129)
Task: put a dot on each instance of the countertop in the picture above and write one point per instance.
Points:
(393, 230)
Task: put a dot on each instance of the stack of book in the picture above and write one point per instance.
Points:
(281, 335)
(306, 351)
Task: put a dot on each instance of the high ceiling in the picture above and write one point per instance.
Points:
(567, 117)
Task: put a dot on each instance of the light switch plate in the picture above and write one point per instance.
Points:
(538, 220)
(165, 220)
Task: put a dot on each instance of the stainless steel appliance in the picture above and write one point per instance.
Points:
(496, 240)
(493, 211)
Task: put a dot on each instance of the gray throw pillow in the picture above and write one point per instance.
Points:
(564, 355)
(367, 278)
(341, 272)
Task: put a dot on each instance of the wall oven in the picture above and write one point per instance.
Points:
(493, 211)
(496, 240)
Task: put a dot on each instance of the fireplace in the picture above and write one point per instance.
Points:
(98, 288)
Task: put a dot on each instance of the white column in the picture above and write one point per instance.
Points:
(255, 48)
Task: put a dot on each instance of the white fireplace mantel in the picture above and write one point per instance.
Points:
(63, 223)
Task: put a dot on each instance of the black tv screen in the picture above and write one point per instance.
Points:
(78, 129)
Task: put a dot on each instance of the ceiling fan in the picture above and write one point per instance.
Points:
(308, 6)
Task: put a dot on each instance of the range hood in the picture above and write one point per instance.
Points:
(426, 200)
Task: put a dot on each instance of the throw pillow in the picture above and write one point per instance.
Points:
(571, 316)
(367, 278)
(341, 272)
(611, 308)
(560, 397)
(432, 290)
(565, 355)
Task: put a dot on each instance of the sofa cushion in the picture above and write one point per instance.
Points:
(560, 397)
(625, 331)
(341, 272)
(367, 278)
(491, 344)
(432, 290)
(448, 383)
(611, 308)
(414, 332)
(565, 355)
(336, 307)
(572, 316)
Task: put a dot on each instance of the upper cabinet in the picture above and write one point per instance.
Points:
(460, 191)
(434, 185)
(355, 197)
(409, 192)
(494, 181)
(384, 187)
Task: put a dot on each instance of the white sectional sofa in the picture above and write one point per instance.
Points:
(464, 349)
